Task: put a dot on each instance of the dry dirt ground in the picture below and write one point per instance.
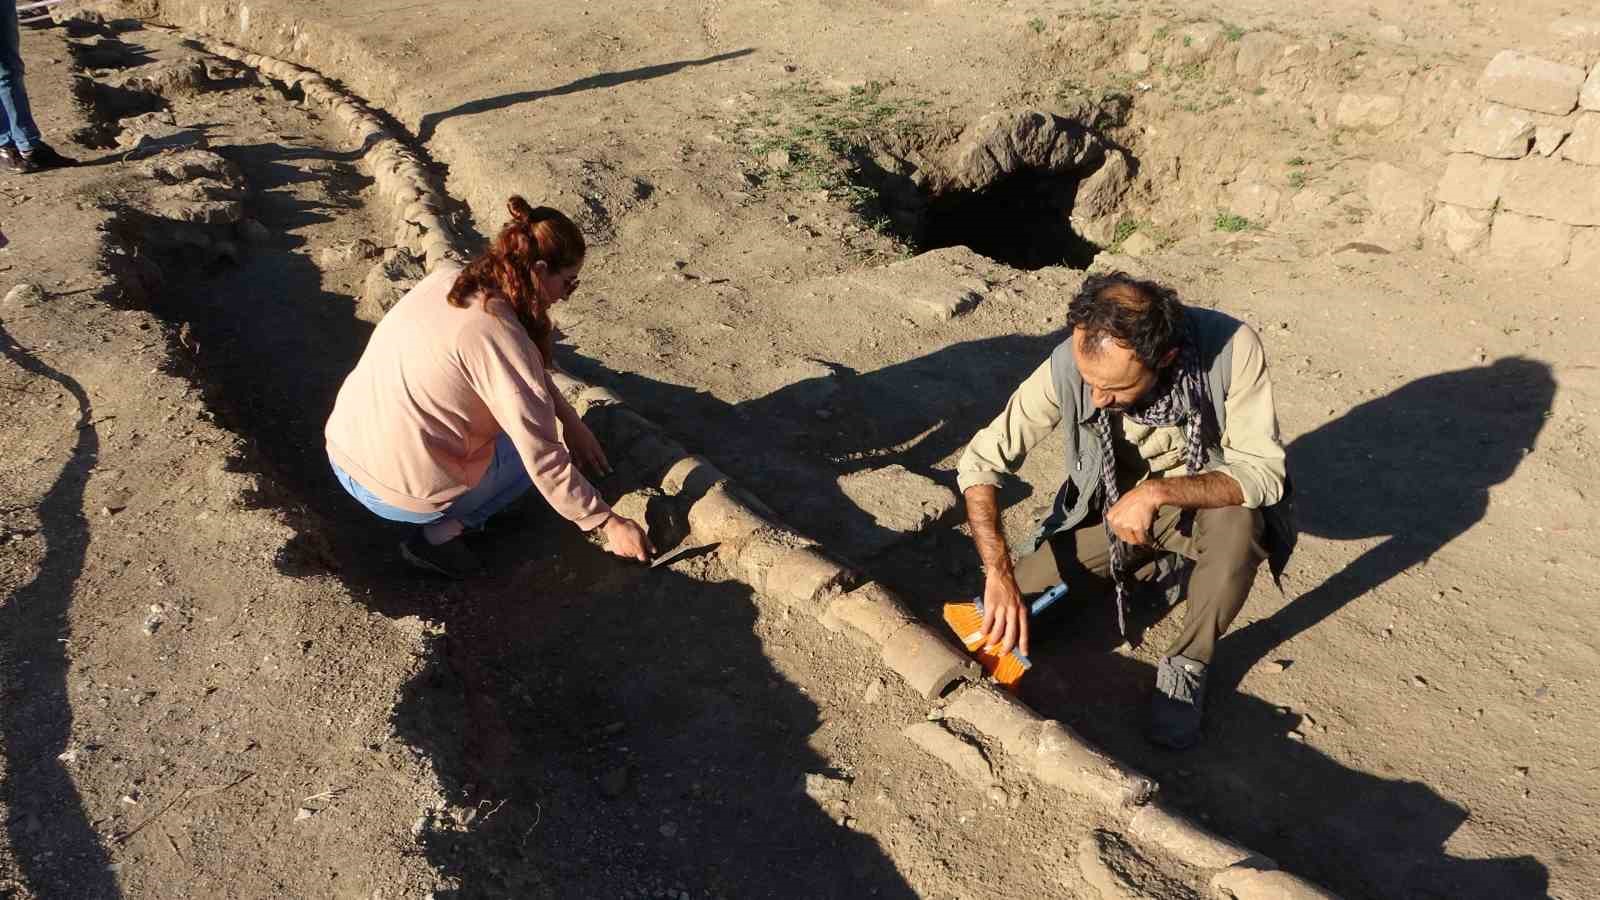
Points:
(216, 683)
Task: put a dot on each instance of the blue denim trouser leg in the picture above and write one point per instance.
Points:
(16, 119)
(503, 482)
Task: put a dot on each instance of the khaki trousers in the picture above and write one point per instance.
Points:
(1224, 543)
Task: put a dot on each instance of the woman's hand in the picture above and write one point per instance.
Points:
(626, 539)
(585, 449)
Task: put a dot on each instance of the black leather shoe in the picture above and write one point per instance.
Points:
(12, 160)
(451, 559)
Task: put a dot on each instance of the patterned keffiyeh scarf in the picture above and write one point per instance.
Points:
(1181, 399)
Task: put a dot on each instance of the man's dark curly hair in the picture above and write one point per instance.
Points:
(1142, 315)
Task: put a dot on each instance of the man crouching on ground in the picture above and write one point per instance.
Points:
(1171, 447)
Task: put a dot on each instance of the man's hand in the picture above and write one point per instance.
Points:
(1005, 616)
(1132, 517)
(585, 448)
(626, 539)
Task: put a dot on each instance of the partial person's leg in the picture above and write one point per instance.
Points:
(503, 482)
(20, 131)
(1226, 547)
(1227, 551)
(1081, 556)
(433, 546)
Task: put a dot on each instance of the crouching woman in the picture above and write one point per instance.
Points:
(450, 414)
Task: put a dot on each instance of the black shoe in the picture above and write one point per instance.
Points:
(1179, 705)
(45, 157)
(451, 559)
(12, 160)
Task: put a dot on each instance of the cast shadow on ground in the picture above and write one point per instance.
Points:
(517, 710)
(915, 414)
(57, 850)
(430, 122)
(1414, 465)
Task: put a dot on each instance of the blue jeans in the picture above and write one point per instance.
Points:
(503, 482)
(16, 119)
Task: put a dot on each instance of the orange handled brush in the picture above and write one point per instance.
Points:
(966, 620)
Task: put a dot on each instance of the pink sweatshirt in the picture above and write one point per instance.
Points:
(416, 421)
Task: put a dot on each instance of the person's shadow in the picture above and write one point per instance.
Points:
(430, 122)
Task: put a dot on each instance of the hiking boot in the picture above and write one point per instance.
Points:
(45, 157)
(451, 559)
(12, 160)
(1178, 707)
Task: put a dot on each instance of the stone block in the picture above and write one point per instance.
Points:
(928, 663)
(722, 516)
(1194, 43)
(1531, 242)
(936, 741)
(1589, 94)
(1474, 182)
(1553, 189)
(1547, 139)
(1458, 228)
(1582, 146)
(1529, 82)
(1067, 761)
(1367, 112)
(1183, 838)
(692, 476)
(1101, 193)
(871, 611)
(805, 575)
(1399, 201)
(925, 286)
(1251, 881)
(899, 503)
(1502, 132)
(1000, 716)
(1585, 255)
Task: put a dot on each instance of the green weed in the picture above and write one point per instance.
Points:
(1036, 24)
(1231, 31)
(1227, 221)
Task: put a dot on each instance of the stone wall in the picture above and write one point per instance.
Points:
(1522, 182)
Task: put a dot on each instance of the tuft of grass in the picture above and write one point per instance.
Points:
(1126, 228)
(1036, 24)
(1163, 31)
(1227, 221)
(1298, 179)
(1232, 32)
(1298, 161)
(822, 132)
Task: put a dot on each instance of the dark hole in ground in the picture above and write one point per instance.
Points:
(1021, 221)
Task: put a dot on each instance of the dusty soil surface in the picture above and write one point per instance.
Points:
(1408, 720)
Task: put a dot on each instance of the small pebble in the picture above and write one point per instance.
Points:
(669, 829)
(1418, 681)
(873, 692)
(304, 813)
